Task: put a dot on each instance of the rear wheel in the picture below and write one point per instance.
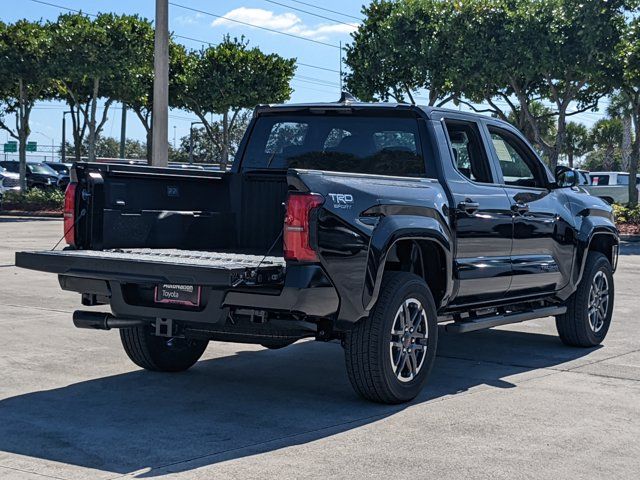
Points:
(161, 354)
(389, 354)
(589, 309)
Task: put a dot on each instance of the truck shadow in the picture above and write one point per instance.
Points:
(241, 405)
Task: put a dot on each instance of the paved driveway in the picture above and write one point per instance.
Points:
(511, 402)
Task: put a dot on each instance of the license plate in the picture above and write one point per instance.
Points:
(188, 295)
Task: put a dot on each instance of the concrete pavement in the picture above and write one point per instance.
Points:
(511, 402)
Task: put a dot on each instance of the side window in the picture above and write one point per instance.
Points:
(468, 151)
(599, 179)
(518, 166)
(623, 179)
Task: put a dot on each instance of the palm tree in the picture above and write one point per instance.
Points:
(620, 106)
(576, 141)
(606, 135)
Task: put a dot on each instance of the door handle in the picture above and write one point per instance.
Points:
(468, 206)
(520, 208)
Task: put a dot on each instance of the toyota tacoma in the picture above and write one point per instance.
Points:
(369, 224)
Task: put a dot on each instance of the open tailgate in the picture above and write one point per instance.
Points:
(145, 265)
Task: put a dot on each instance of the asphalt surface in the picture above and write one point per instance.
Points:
(511, 402)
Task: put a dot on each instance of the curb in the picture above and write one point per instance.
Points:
(630, 238)
(30, 214)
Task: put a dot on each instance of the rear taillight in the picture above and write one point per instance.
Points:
(296, 226)
(70, 214)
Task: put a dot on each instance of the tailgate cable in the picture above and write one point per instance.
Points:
(254, 272)
(82, 214)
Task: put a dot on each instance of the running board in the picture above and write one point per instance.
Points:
(497, 320)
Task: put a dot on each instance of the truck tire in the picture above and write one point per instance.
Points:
(589, 309)
(160, 354)
(389, 357)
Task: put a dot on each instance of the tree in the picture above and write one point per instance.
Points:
(606, 135)
(90, 56)
(134, 86)
(577, 142)
(109, 147)
(400, 48)
(26, 71)
(552, 50)
(544, 119)
(207, 149)
(628, 63)
(620, 106)
(227, 78)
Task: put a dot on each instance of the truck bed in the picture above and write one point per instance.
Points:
(151, 265)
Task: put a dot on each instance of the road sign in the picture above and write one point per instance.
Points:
(11, 146)
(32, 146)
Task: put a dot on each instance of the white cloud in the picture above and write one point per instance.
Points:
(186, 20)
(286, 22)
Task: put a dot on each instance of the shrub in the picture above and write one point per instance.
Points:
(33, 200)
(627, 213)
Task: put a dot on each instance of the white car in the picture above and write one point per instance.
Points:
(613, 187)
(8, 181)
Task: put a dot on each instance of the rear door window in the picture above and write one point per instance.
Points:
(383, 145)
(599, 179)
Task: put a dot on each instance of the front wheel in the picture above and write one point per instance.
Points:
(160, 354)
(588, 316)
(389, 354)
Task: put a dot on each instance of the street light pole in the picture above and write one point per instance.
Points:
(123, 130)
(160, 134)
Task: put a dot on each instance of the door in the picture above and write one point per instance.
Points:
(482, 216)
(542, 253)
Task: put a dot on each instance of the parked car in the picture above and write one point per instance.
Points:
(62, 169)
(39, 175)
(8, 182)
(363, 223)
(612, 187)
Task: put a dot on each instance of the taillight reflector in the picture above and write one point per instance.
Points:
(296, 226)
(70, 214)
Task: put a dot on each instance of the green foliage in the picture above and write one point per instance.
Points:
(627, 213)
(399, 49)
(207, 151)
(229, 77)
(33, 200)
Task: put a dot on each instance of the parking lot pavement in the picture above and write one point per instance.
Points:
(511, 402)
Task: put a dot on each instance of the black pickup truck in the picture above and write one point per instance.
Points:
(364, 223)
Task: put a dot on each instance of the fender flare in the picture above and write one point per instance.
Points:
(393, 229)
(588, 232)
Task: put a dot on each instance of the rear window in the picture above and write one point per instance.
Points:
(342, 143)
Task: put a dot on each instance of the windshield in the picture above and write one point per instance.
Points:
(384, 145)
(42, 169)
(59, 167)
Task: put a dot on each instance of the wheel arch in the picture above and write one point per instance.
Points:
(410, 244)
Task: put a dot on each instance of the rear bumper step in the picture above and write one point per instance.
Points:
(497, 320)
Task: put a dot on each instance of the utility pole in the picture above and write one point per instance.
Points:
(123, 130)
(340, 63)
(160, 148)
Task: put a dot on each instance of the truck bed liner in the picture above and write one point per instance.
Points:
(149, 265)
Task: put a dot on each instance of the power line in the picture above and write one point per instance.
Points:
(254, 26)
(310, 13)
(326, 10)
(299, 63)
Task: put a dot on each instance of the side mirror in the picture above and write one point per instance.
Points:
(566, 177)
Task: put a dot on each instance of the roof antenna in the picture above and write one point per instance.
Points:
(347, 97)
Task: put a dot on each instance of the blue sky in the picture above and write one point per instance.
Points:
(310, 84)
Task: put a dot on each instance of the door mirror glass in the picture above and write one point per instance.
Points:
(566, 177)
